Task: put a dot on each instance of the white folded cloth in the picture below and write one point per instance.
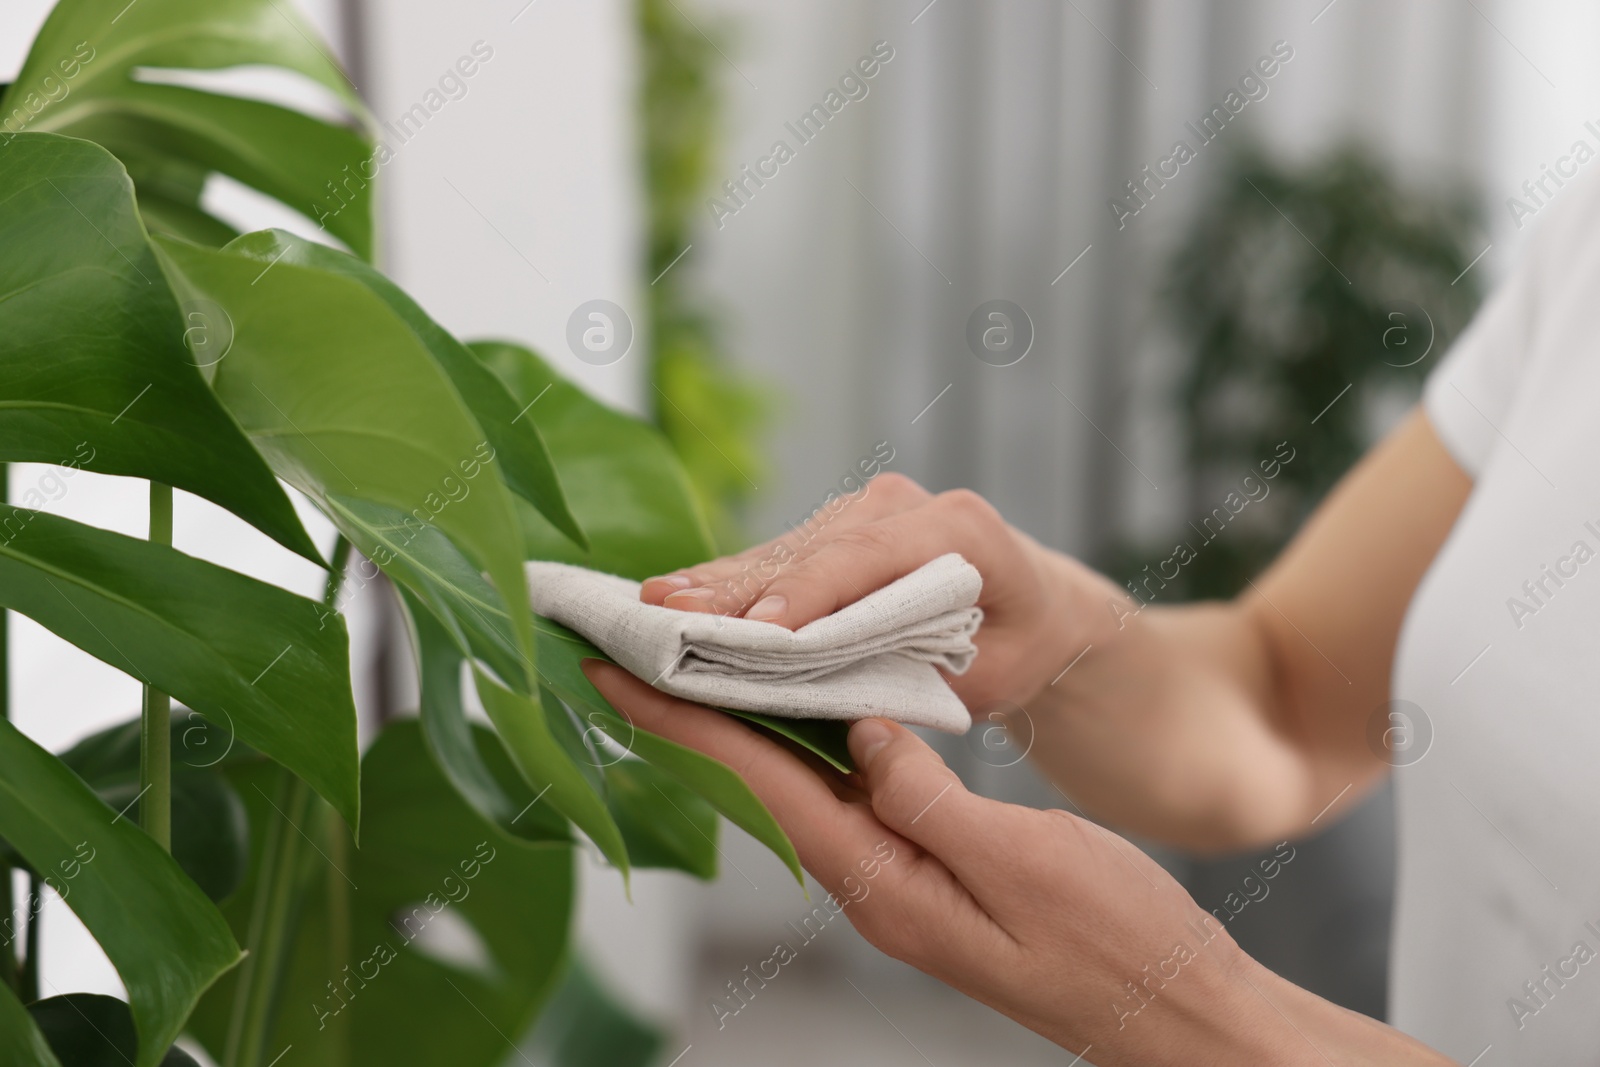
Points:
(876, 657)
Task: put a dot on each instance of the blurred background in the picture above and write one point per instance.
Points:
(1095, 260)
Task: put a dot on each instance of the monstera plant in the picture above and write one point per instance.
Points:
(409, 904)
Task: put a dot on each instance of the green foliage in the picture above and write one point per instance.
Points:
(209, 833)
(456, 745)
(235, 649)
(827, 739)
(368, 981)
(140, 337)
(710, 413)
(561, 654)
(26, 1045)
(1310, 298)
(518, 447)
(585, 1026)
(90, 1030)
(635, 791)
(550, 767)
(87, 76)
(166, 940)
(628, 490)
(92, 369)
(348, 405)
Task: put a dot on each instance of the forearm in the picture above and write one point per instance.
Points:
(1307, 1029)
(1217, 1005)
(1248, 1015)
(1166, 725)
(1229, 725)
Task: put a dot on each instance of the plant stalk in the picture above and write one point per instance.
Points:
(155, 734)
(8, 904)
(338, 895)
(28, 978)
(270, 944)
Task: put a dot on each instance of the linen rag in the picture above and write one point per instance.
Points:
(876, 657)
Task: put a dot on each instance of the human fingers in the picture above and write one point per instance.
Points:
(901, 899)
(913, 793)
(731, 584)
(868, 557)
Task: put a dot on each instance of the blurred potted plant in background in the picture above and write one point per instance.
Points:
(1311, 301)
(710, 411)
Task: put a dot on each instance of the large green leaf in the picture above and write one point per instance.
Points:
(403, 1000)
(470, 614)
(429, 566)
(458, 747)
(663, 821)
(457, 614)
(244, 139)
(170, 192)
(93, 367)
(81, 78)
(271, 665)
(90, 1030)
(624, 483)
(510, 427)
(24, 1045)
(828, 739)
(210, 834)
(561, 652)
(550, 768)
(166, 940)
(586, 1025)
(348, 405)
(197, 744)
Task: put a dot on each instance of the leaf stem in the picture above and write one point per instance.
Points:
(269, 944)
(8, 903)
(341, 560)
(338, 897)
(155, 736)
(28, 979)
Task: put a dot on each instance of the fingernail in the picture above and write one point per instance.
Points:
(700, 593)
(867, 738)
(767, 609)
(675, 581)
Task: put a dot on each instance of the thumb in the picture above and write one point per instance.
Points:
(914, 794)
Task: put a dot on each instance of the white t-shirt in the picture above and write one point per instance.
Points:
(1497, 920)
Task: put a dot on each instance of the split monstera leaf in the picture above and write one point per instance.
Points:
(141, 336)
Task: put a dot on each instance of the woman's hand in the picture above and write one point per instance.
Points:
(1030, 629)
(1046, 917)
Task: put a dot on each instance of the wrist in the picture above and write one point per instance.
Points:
(1062, 627)
(1085, 606)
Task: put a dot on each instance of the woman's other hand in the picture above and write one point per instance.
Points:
(1035, 601)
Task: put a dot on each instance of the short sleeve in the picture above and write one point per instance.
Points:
(1469, 393)
(1469, 396)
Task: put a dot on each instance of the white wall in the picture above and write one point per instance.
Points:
(517, 202)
